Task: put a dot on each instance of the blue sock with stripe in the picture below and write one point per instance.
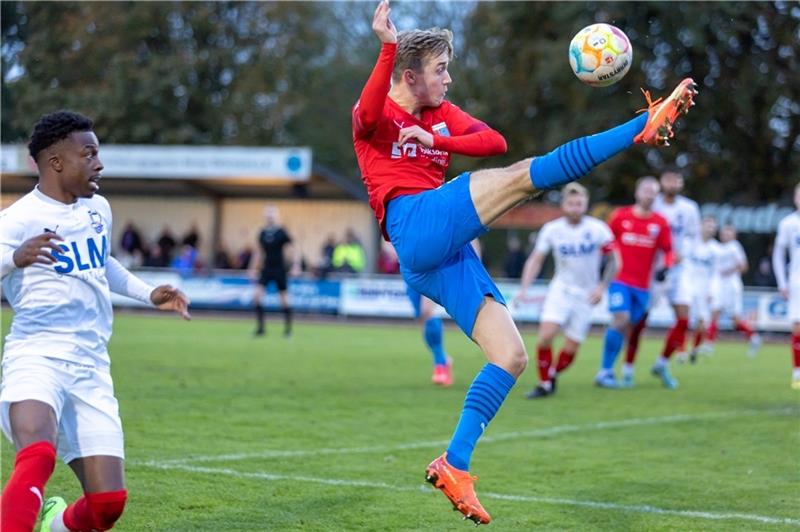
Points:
(433, 338)
(577, 157)
(484, 397)
(611, 347)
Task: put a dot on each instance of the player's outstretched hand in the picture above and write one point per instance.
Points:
(596, 295)
(37, 250)
(415, 132)
(784, 293)
(382, 24)
(167, 297)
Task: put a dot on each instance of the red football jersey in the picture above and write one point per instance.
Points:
(637, 240)
(389, 169)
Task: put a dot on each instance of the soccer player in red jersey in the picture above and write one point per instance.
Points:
(403, 134)
(639, 234)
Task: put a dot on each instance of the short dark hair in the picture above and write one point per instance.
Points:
(54, 127)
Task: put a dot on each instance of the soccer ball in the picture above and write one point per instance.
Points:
(600, 55)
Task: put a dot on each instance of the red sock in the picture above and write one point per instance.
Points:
(796, 350)
(698, 337)
(713, 329)
(21, 504)
(95, 511)
(564, 360)
(743, 326)
(633, 340)
(676, 337)
(545, 357)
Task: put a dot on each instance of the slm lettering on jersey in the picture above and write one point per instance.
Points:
(82, 256)
(577, 250)
(408, 149)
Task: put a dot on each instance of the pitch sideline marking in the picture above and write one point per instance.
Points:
(630, 508)
(536, 433)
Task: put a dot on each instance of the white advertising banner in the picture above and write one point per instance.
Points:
(186, 162)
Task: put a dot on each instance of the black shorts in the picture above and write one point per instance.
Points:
(276, 276)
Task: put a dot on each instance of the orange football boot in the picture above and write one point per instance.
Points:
(443, 374)
(664, 113)
(457, 486)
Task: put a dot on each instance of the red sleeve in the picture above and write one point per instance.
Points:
(469, 136)
(367, 111)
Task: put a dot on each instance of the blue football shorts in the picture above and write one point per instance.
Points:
(431, 232)
(625, 298)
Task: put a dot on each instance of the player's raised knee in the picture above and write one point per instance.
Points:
(106, 508)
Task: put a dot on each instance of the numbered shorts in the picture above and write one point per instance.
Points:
(624, 298)
(431, 232)
(571, 311)
(81, 396)
(726, 296)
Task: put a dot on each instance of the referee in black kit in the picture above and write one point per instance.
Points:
(273, 244)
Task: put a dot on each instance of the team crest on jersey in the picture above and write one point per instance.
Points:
(653, 229)
(441, 129)
(97, 221)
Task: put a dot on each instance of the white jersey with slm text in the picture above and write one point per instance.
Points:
(788, 240)
(730, 258)
(61, 310)
(577, 250)
(683, 216)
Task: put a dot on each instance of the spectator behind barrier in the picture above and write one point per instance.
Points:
(349, 256)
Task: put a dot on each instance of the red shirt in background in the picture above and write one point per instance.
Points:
(638, 240)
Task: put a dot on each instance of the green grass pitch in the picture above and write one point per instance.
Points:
(332, 429)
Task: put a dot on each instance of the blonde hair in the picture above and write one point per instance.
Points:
(573, 189)
(415, 47)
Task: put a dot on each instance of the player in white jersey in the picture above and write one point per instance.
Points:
(683, 216)
(788, 242)
(57, 391)
(700, 267)
(726, 291)
(578, 243)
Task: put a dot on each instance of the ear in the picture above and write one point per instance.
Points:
(409, 76)
(54, 162)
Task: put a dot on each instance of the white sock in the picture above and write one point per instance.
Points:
(547, 385)
(661, 362)
(796, 374)
(627, 369)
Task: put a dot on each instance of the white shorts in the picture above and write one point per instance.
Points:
(794, 302)
(81, 396)
(676, 289)
(726, 296)
(570, 310)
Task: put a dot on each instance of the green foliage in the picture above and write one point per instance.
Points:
(208, 388)
(288, 73)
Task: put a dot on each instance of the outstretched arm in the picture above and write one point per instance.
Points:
(531, 270)
(165, 297)
(368, 109)
(466, 135)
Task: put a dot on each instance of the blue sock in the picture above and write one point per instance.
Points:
(433, 337)
(577, 157)
(484, 397)
(611, 348)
